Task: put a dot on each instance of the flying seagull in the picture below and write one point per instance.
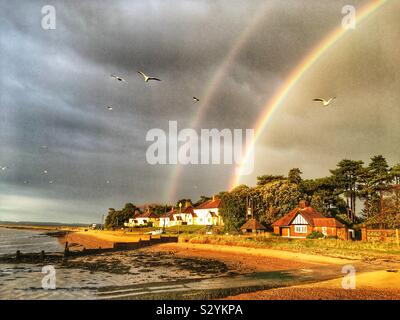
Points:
(51, 181)
(109, 108)
(147, 78)
(196, 99)
(118, 78)
(4, 168)
(325, 103)
(45, 172)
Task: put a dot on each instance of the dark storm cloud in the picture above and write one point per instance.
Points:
(56, 86)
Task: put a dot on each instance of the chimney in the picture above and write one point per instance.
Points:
(188, 204)
(213, 198)
(303, 204)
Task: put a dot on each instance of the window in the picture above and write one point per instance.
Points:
(300, 229)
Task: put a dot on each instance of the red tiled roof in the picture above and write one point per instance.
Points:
(328, 222)
(308, 213)
(210, 204)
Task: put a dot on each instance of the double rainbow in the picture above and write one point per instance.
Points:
(273, 105)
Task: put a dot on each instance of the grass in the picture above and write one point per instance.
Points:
(330, 247)
(185, 229)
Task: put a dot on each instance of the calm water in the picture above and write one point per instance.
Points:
(26, 241)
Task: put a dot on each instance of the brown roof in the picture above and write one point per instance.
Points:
(328, 222)
(168, 214)
(147, 214)
(210, 204)
(188, 210)
(252, 224)
(308, 213)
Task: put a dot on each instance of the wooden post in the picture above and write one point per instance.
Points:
(397, 237)
(66, 249)
(364, 236)
(42, 255)
(18, 255)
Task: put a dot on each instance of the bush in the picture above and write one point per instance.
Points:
(315, 235)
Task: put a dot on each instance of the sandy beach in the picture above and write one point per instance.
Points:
(254, 273)
(93, 239)
(373, 280)
(381, 284)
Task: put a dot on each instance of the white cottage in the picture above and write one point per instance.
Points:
(208, 213)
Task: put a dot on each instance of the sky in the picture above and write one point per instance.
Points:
(55, 87)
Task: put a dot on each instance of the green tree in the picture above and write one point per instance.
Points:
(395, 174)
(279, 197)
(347, 177)
(323, 194)
(233, 207)
(379, 180)
(294, 176)
(116, 219)
(263, 180)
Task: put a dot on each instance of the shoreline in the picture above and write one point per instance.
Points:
(377, 279)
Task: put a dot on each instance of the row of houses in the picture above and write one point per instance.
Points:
(298, 223)
(205, 214)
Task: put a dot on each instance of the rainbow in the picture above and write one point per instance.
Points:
(212, 88)
(273, 105)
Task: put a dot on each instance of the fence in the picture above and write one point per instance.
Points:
(382, 235)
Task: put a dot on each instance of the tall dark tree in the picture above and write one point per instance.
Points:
(380, 178)
(347, 177)
(323, 194)
(294, 176)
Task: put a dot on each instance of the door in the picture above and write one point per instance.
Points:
(285, 232)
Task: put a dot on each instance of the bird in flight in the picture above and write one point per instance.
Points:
(45, 172)
(324, 102)
(4, 168)
(118, 78)
(147, 78)
(196, 99)
(110, 108)
(51, 181)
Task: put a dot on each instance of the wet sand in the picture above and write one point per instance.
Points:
(249, 259)
(380, 284)
(375, 285)
(93, 239)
